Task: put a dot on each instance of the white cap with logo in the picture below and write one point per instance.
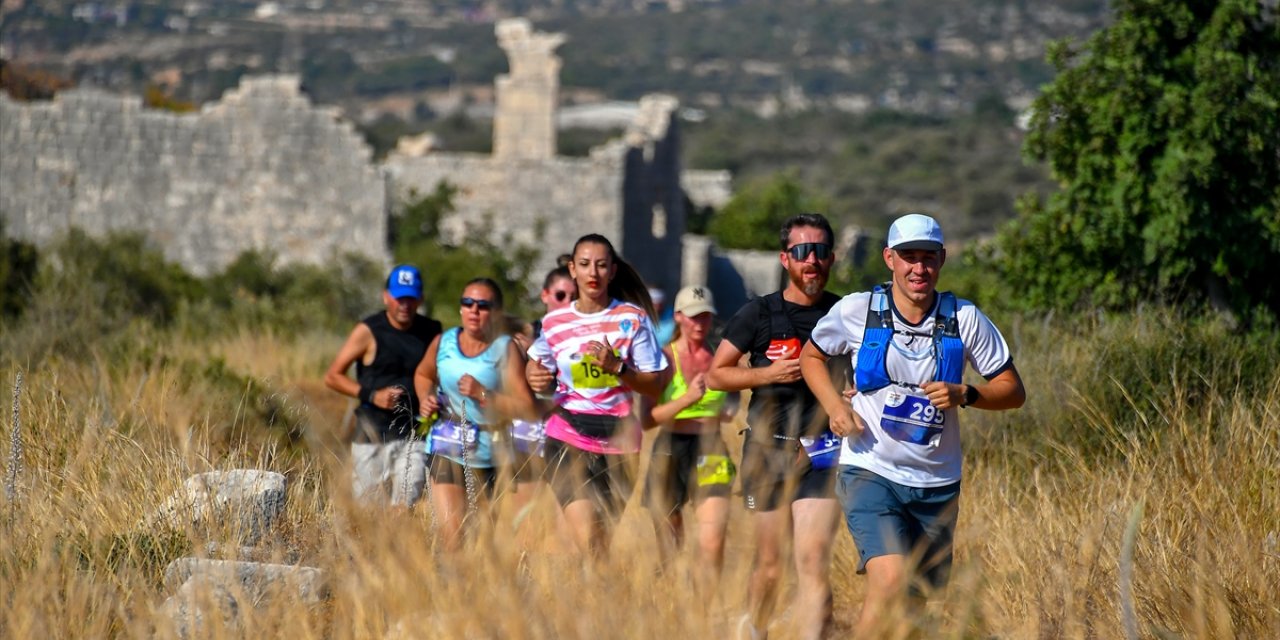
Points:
(915, 231)
(695, 299)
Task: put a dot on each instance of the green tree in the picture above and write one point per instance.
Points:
(1162, 134)
(447, 265)
(751, 219)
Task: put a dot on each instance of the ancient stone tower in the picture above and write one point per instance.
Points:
(524, 127)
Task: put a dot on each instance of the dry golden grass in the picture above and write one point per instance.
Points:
(1039, 554)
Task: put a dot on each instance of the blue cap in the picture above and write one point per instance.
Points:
(405, 282)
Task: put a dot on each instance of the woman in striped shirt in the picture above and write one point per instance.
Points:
(597, 352)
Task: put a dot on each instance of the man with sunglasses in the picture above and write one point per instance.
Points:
(386, 348)
(899, 479)
(788, 491)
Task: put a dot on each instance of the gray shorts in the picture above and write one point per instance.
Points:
(395, 470)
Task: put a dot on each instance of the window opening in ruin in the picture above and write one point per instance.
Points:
(659, 222)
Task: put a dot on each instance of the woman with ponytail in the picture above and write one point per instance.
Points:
(596, 351)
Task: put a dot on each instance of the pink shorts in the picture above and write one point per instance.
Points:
(628, 441)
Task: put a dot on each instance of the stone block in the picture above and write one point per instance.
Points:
(242, 502)
(259, 580)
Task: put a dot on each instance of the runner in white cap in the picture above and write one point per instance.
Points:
(899, 480)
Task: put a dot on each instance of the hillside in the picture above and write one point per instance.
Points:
(879, 107)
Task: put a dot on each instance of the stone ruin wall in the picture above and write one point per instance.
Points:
(653, 202)
(528, 96)
(260, 169)
(546, 204)
(628, 190)
(264, 169)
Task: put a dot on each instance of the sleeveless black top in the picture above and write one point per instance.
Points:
(396, 358)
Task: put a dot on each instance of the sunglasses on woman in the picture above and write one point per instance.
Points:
(820, 250)
(561, 295)
(483, 305)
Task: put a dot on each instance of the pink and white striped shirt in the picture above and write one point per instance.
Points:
(581, 386)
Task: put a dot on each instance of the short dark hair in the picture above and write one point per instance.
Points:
(492, 285)
(816, 220)
(558, 273)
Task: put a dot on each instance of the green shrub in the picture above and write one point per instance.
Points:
(447, 267)
(17, 268)
(751, 220)
(1099, 384)
(106, 291)
(254, 291)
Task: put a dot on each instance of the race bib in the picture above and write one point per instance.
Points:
(588, 375)
(913, 419)
(452, 438)
(528, 437)
(714, 469)
(823, 451)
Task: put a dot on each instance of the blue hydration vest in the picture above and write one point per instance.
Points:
(871, 371)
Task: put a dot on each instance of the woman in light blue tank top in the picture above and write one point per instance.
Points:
(470, 381)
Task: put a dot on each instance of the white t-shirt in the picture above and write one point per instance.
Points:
(910, 360)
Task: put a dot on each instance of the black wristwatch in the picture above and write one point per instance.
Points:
(622, 368)
(970, 395)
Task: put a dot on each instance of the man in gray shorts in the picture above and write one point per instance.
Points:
(386, 348)
(899, 481)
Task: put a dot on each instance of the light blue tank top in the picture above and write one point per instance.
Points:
(486, 368)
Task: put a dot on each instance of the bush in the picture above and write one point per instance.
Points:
(751, 220)
(1101, 384)
(417, 238)
(17, 268)
(253, 291)
(85, 290)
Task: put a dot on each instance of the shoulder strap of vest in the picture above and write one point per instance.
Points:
(946, 323)
(779, 323)
(879, 316)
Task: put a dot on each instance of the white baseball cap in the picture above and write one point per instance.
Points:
(915, 231)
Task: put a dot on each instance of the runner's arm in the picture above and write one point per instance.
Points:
(1003, 391)
(645, 383)
(653, 414)
(515, 398)
(813, 364)
(727, 374)
(355, 348)
(425, 379)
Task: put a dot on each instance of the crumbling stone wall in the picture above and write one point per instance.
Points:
(628, 189)
(260, 169)
(264, 169)
(546, 204)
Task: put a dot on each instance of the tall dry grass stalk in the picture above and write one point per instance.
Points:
(1049, 493)
(13, 466)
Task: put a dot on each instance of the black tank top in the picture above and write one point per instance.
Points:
(397, 356)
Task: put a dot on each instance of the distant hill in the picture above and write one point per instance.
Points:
(877, 106)
(923, 56)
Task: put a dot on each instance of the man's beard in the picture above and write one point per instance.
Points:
(810, 287)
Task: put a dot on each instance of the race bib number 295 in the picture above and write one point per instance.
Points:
(910, 418)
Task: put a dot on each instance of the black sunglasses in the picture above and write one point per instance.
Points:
(820, 250)
(483, 305)
(561, 295)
